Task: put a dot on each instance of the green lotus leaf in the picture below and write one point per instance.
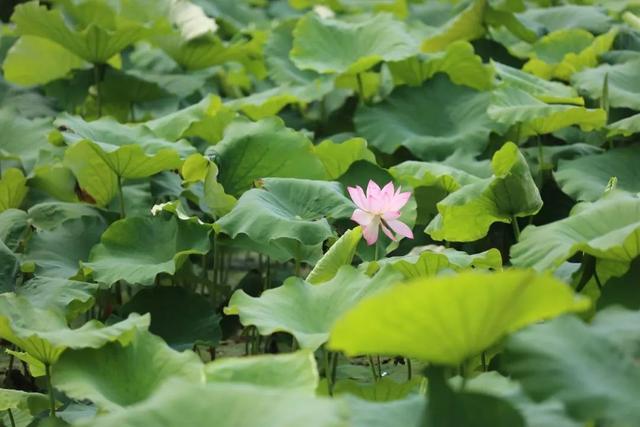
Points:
(429, 120)
(116, 376)
(13, 225)
(616, 324)
(269, 102)
(21, 138)
(95, 177)
(182, 403)
(515, 107)
(365, 413)
(338, 157)
(580, 367)
(279, 250)
(307, 311)
(69, 298)
(55, 180)
(287, 208)
(182, 318)
(431, 260)
(9, 267)
(549, 19)
(564, 52)
(339, 254)
(205, 52)
(547, 91)
(34, 60)
(542, 414)
(13, 189)
(432, 174)
(49, 215)
(466, 214)
(137, 249)
(467, 25)
(625, 127)
(129, 151)
(586, 178)
(607, 229)
(77, 236)
(282, 69)
(251, 151)
(34, 403)
(431, 182)
(94, 39)
(207, 119)
(291, 371)
(623, 87)
(458, 61)
(449, 407)
(446, 320)
(45, 335)
(361, 44)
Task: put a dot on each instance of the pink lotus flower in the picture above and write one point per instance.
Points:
(379, 208)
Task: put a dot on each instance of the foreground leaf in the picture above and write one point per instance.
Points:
(607, 229)
(291, 371)
(231, 405)
(446, 320)
(582, 369)
(116, 376)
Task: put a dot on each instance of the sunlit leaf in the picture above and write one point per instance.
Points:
(446, 320)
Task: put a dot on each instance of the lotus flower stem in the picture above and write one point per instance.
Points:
(52, 399)
(11, 419)
(96, 81)
(123, 213)
(409, 369)
(373, 368)
(516, 228)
